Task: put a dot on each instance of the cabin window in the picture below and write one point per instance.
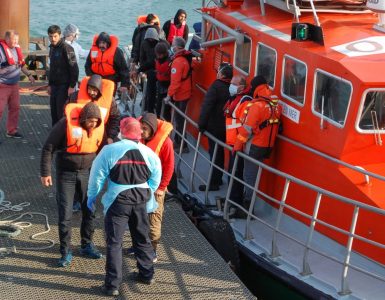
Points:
(267, 59)
(373, 111)
(294, 79)
(331, 97)
(243, 55)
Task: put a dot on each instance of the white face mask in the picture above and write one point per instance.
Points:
(233, 89)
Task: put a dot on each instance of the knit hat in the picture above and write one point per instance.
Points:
(257, 81)
(70, 30)
(95, 81)
(104, 37)
(130, 129)
(151, 33)
(151, 120)
(90, 110)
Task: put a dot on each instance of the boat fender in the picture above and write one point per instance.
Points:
(221, 236)
(9, 230)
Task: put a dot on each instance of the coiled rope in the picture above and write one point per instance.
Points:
(10, 228)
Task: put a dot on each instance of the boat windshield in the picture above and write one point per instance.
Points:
(373, 111)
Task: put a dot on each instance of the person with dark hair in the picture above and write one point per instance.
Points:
(76, 139)
(180, 85)
(163, 77)
(63, 72)
(11, 63)
(256, 136)
(212, 119)
(133, 173)
(176, 27)
(107, 60)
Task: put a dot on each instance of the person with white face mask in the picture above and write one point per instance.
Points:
(212, 119)
(71, 35)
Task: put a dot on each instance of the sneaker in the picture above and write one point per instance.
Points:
(65, 260)
(140, 279)
(109, 292)
(212, 187)
(14, 135)
(131, 251)
(76, 206)
(155, 258)
(90, 251)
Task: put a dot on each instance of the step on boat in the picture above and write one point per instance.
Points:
(316, 220)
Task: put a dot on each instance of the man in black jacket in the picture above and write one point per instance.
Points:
(73, 163)
(63, 72)
(212, 119)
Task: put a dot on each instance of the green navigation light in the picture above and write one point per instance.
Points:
(302, 32)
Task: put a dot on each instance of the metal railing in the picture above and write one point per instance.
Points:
(189, 167)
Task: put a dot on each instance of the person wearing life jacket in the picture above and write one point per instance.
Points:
(132, 172)
(260, 123)
(180, 85)
(75, 139)
(163, 77)
(239, 96)
(176, 27)
(11, 63)
(155, 135)
(107, 60)
(101, 92)
(212, 119)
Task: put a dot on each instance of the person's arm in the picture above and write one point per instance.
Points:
(156, 171)
(121, 67)
(185, 33)
(26, 72)
(112, 126)
(73, 67)
(166, 28)
(166, 155)
(54, 140)
(207, 107)
(176, 77)
(87, 66)
(99, 172)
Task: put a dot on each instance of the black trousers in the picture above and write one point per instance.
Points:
(57, 100)
(236, 193)
(179, 120)
(150, 100)
(216, 177)
(115, 223)
(67, 182)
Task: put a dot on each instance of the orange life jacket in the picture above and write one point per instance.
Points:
(161, 134)
(142, 19)
(102, 63)
(260, 119)
(8, 54)
(105, 100)
(175, 31)
(78, 140)
(233, 117)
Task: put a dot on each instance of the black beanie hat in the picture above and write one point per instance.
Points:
(151, 120)
(90, 110)
(104, 37)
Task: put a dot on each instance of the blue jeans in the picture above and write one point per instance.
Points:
(250, 170)
(115, 224)
(67, 182)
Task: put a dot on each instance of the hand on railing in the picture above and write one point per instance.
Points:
(238, 146)
(167, 100)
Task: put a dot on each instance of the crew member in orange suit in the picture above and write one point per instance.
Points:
(260, 122)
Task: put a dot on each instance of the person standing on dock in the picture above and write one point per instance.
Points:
(11, 63)
(71, 35)
(75, 138)
(107, 60)
(133, 172)
(63, 72)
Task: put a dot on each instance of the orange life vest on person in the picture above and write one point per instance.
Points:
(260, 118)
(233, 113)
(105, 100)
(175, 31)
(142, 19)
(163, 70)
(102, 63)
(161, 134)
(78, 140)
(8, 54)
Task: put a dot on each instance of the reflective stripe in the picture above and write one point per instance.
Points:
(233, 126)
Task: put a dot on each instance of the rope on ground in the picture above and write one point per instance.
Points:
(10, 228)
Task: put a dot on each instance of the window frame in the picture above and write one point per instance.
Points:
(283, 76)
(235, 55)
(316, 113)
(360, 109)
(276, 61)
